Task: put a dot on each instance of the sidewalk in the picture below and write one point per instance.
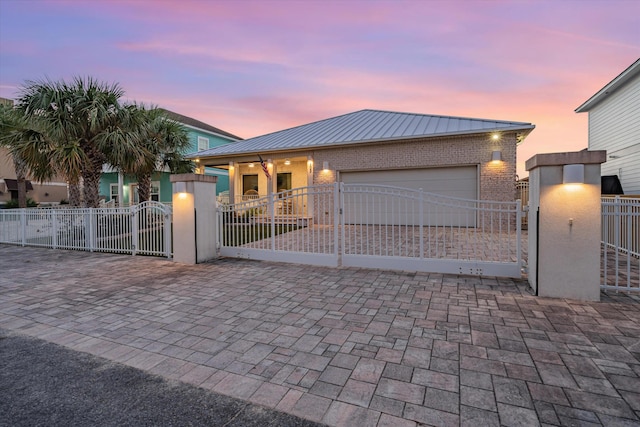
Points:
(339, 346)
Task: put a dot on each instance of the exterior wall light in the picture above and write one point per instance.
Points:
(496, 156)
(180, 187)
(573, 174)
(495, 136)
(287, 162)
(325, 166)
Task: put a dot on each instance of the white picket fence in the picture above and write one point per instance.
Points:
(620, 267)
(143, 229)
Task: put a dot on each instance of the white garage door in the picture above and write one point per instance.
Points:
(460, 182)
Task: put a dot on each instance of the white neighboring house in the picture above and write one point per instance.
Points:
(614, 125)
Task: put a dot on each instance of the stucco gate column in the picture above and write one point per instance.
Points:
(564, 224)
(194, 218)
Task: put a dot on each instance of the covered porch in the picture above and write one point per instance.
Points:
(278, 190)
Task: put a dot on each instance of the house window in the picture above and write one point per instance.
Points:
(155, 191)
(154, 195)
(203, 143)
(250, 185)
(284, 181)
(113, 193)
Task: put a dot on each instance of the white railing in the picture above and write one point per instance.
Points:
(415, 230)
(620, 267)
(376, 226)
(143, 229)
(297, 222)
(522, 194)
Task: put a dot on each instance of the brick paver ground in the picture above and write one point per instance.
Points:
(345, 347)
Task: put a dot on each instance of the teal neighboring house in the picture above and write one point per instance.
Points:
(202, 136)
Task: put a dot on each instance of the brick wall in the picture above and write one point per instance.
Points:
(496, 180)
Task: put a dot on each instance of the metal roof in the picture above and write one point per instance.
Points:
(361, 127)
(628, 74)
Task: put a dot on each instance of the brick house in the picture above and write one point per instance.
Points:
(453, 156)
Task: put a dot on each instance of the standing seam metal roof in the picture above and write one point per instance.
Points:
(364, 126)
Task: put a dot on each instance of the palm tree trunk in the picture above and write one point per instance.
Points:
(91, 178)
(75, 194)
(144, 187)
(21, 172)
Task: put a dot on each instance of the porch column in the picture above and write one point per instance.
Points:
(273, 171)
(310, 206)
(194, 218)
(232, 182)
(564, 224)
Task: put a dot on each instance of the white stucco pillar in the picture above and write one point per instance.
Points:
(232, 182)
(564, 225)
(273, 171)
(310, 202)
(194, 218)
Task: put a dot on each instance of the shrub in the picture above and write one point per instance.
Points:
(13, 204)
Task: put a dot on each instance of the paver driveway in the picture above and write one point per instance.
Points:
(342, 346)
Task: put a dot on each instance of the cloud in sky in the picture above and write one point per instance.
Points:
(254, 67)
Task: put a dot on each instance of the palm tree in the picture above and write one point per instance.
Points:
(35, 154)
(84, 127)
(14, 131)
(12, 127)
(162, 142)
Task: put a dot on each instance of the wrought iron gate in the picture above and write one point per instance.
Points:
(376, 226)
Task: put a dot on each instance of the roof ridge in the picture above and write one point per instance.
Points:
(305, 124)
(442, 116)
(385, 111)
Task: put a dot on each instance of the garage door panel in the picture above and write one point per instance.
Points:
(453, 182)
(460, 182)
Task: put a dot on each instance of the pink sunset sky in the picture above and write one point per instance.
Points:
(254, 67)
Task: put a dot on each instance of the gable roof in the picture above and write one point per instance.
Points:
(632, 71)
(189, 121)
(362, 127)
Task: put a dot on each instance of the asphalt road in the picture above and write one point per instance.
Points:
(43, 384)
